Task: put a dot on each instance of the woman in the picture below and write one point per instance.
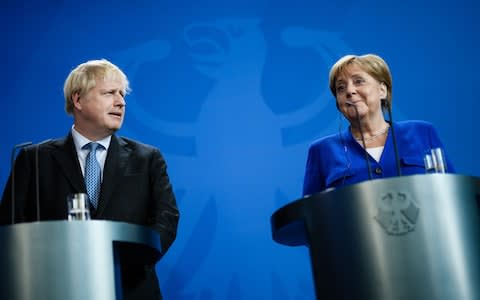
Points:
(362, 86)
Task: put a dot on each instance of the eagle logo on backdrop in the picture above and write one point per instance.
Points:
(397, 213)
(228, 146)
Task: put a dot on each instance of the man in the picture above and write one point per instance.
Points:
(133, 184)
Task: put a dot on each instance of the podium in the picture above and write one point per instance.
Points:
(67, 260)
(411, 237)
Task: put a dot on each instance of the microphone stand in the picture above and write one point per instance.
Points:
(395, 147)
(367, 160)
(37, 178)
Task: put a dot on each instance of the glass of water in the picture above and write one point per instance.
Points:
(438, 158)
(429, 166)
(78, 207)
(435, 161)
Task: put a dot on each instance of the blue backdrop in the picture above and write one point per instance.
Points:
(232, 92)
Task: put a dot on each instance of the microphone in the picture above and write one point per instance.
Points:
(12, 182)
(37, 177)
(369, 167)
(386, 104)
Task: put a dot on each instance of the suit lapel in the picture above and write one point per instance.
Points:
(66, 157)
(115, 164)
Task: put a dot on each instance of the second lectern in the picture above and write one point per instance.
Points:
(413, 237)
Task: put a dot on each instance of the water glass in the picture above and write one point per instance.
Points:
(435, 161)
(78, 207)
(429, 166)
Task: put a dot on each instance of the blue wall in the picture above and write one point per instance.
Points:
(233, 92)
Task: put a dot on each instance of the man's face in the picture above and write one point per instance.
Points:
(101, 110)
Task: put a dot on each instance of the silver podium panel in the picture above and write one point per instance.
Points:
(65, 260)
(411, 237)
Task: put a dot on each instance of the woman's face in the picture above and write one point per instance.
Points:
(355, 87)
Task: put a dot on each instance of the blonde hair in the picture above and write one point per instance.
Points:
(83, 78)
(373, 64)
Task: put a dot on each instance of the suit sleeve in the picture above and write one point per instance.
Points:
(312, 182)
(164, 214)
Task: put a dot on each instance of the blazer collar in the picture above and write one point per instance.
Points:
(65, 155)
(115, 164)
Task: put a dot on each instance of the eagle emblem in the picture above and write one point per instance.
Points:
(397, 213)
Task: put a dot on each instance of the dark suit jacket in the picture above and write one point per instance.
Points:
(135, 189)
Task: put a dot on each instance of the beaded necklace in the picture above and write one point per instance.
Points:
(375, 135)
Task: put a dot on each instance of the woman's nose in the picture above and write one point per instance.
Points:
(350, 90)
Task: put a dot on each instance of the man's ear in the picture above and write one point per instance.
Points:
(76, 100)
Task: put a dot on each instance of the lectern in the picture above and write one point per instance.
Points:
(67, 260)
(411, 237)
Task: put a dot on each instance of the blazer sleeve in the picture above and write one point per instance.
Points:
(311, 181)
(164, 214)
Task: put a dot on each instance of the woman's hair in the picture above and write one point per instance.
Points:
(373, 64)
(83, 78)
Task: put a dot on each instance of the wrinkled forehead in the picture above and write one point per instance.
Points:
(110, 82)
(111, 78)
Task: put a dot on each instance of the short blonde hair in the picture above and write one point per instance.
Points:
(83, 78)
(373, 64)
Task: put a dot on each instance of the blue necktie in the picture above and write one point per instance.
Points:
(93, 173)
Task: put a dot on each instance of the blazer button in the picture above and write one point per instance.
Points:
(378, 171)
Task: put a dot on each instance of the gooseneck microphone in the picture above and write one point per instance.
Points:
(12, 182)
(37, 178)
(369, 167)
(387, 105)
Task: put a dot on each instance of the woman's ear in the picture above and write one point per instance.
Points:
(383, 90)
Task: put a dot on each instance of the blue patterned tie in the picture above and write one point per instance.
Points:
(92, 173)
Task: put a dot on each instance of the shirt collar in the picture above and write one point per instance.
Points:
(79, 140)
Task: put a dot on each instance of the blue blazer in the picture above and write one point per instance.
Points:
(339, 160)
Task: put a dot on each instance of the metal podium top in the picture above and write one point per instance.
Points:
(110, 230)
(428, 194)
(412, 237)
(66, 259)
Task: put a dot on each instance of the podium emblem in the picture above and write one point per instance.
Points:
(397, 213)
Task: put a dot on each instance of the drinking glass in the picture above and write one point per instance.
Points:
(78, 207)
(435, 161)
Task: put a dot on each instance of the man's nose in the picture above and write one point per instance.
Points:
(119, 100)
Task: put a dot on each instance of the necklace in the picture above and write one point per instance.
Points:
(375, 135)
